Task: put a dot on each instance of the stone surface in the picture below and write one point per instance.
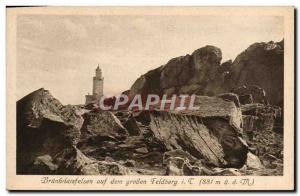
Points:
(261, 64)
(212, 139)
(239, 106)
(198, 73)
(251, 94)
(260, 124)
(218, 107)
(44, 127)
(103, 124)
(246, 99)
(259, 67)
(253, 161)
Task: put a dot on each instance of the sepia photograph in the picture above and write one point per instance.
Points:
(150, 98)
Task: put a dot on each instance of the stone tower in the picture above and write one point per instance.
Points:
(97, 88)
(98, 82)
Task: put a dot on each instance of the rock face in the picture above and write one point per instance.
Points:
(48, 133)
(263, 133)
(102, 124)
(44, 127)
(57, 139)
(254, 80)
(198, 73)
(190, 134)
(202, 73)
(261, 64)
(236, 129)
(250, 94)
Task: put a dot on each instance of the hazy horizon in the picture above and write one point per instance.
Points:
(60, 53)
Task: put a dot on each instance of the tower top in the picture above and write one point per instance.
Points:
(98, 72)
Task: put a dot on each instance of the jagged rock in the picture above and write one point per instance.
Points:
(132, 127)
(234, 148)
(216, 118)
(254, 93)
(147, 84)
(191, 134)
(43, 165)
(225, 67)
(261, 133)
(253, 161)
(56, 139)
(246, 99)
(206, 62)
(261, 64)
(250, 126)
(174, 166)
(259, 116)
(184, 132)
(176, 72)
(231, 97)
(259, 67)
(44, 126)
(218, 107)
(75, 162)
(197, 73)
(102, 124)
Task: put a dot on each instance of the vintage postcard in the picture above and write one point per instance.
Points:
(150, 98)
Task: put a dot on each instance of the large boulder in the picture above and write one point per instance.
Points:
(198, 73)
(148, 83)
(261, 64)
(226, 106)
(251, 94)
(74, 162)
(262, 126)
(202, 73)
(102, 124)
(211, 133)
(44, 127)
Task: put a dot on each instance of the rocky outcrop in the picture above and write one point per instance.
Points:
(203, 138)
(259, 67)
(263, 134)
(262, 65)
(254, 80)
(48, 133)
(250, 94)
(198, 73)
(44, 127)
(57, 139)
(102, 124)
(235, 115)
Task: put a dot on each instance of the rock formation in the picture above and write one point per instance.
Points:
(199, 73)
(262, 65)
(57, 139)
(236, 130)
(202, 73)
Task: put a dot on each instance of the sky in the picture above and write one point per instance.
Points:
(60, 53)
